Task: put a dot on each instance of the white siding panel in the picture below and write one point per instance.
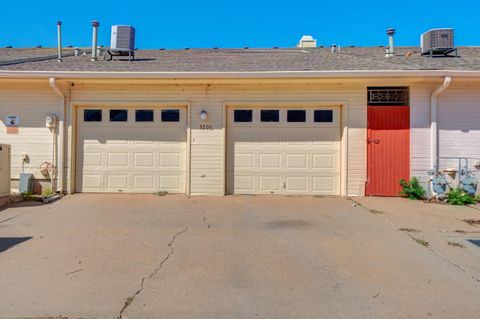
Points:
(459, 125)
(31, 102)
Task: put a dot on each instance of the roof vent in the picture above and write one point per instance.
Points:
(307, 41)
(438, 42)
(390, 50)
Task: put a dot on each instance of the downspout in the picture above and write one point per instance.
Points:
(433, 121)
(61, 133)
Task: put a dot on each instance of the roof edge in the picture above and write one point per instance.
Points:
(237, 75)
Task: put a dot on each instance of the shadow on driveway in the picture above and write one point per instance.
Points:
(8, 242)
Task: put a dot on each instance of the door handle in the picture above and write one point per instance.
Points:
(373, 141)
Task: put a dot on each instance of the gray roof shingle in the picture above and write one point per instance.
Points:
(245, 60)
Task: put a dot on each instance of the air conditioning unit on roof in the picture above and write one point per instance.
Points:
(437, 42)
(122, 41)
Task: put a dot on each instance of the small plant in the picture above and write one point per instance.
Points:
(47, 192)
(408, 230)
(458, 196)
(421, 241)
(412, 189)
(161, 193)
(28, 196)
(454, 244)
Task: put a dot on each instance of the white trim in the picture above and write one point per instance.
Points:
(239, 75)
(433, 121)
(61, 136)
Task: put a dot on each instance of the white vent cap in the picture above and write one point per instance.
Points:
(307, 41)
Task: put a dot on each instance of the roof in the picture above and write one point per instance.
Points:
(242, 60)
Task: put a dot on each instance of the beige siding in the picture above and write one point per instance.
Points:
(207, 145)
(4, 170)
(31, 102)
(459, 124)
(420, 131)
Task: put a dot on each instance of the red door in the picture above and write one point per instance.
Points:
(388, 149)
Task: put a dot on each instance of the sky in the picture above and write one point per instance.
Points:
(240, 23)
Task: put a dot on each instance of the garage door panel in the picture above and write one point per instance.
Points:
(296, 184)
(325, 161)
(325, 184)
(296, 158)
(269, 183)
(144, 160)
(171, 160)
(117, 159)
(117, 182)
(268, 161)
(92, 160)
(244, 184)
(130, 157)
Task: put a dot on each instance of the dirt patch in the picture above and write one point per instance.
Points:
(472, 222)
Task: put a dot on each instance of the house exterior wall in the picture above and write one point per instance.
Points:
(207, 146)
(459, 125)
(32, 103)
(458, 121)
(420, 131)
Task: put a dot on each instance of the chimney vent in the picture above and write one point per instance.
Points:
(307, 41)
(95, 25)
(390, 51)
(59, 40)
(333, 48)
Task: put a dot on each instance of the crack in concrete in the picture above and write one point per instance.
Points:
(131, 298)
(475, 278)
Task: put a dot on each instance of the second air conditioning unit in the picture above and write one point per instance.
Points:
(437, 42)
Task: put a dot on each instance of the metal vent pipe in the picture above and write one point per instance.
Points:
(390, 52)
(59, 40)
(95, 25)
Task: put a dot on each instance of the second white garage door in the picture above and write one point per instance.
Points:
(283, 150)
(131, 150)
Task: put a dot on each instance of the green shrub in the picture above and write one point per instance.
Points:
(412, 189)
(47, 192)
(458, 196)
(27, 196)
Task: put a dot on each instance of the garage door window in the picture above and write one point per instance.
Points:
(242, 116)
(92, 115)
(118, 115)
(170, 115)
(296, 116)
(144, 116)
(269, 115)
(323, 116)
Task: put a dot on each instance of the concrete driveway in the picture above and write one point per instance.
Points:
(145, 256)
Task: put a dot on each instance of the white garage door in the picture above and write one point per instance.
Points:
(283, 150)
(131, 150)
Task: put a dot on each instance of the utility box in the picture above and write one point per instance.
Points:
(5, 164)
(26, 183)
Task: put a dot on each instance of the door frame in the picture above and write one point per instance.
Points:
(341, 104)
(73, 127)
